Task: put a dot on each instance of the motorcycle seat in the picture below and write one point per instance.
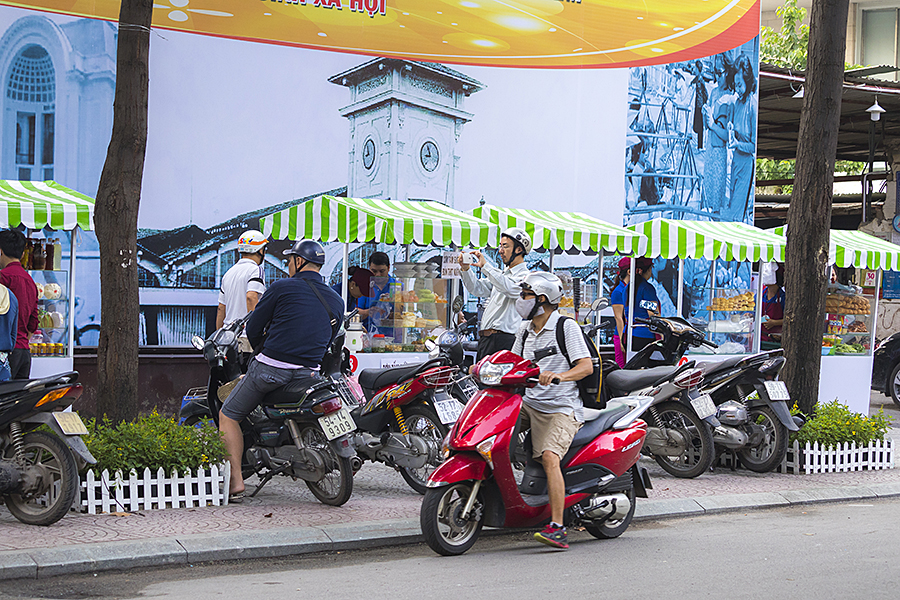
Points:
(591, 429)
(376, 379)
(708, 366)
(292, 393)
(629, 381)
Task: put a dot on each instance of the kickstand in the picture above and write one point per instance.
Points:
(268, 477)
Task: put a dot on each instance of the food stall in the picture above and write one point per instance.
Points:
(572, 233)
(848, 342)
(733, 315)
(45, 209)
(414, 301)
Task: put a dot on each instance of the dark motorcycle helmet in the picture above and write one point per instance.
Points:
(308, 250)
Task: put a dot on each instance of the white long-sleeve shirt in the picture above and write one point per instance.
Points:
(503, 289)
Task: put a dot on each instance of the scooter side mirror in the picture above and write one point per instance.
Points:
(198, 342)
(457, 304)
(599, 304)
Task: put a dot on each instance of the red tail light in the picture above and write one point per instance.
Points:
(328, 406)
(689, 379)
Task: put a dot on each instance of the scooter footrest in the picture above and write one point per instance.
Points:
(532, 500)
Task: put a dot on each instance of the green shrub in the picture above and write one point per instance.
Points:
(833, 423)
(153, 441)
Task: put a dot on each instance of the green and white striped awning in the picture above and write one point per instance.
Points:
(424, 223)
(711, 240)
(570, 231)
(39, 204)
(851, 248)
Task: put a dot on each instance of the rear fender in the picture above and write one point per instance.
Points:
(779, 407)
(465, 466)
(342, 446)
(73, 441)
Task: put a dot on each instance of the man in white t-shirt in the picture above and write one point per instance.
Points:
(554, 413)
(243, 284)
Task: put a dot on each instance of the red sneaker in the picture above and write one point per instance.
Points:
(553, 536)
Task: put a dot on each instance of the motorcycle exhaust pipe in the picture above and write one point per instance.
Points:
(609, 508)
(10, 481)
(356, 463)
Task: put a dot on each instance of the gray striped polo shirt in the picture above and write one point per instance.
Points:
(562, 398)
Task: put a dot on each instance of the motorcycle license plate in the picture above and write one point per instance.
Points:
(448, 410)
(337, 424)
(70, 423)
(777, 390)
(703, 405)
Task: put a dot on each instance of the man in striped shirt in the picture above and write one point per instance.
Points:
(554, 412)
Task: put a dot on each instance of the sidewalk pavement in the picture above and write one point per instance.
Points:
(285, 519)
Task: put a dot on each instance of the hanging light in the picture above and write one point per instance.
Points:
(875, 110)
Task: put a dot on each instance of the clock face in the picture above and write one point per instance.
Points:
(429, 156)
(368, 153)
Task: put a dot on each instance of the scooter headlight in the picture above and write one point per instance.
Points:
(484, 449)
(491, 373)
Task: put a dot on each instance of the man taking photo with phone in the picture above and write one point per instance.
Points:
(500, 321)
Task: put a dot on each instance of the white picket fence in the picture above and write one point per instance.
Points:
(114, 493)
(813, 458)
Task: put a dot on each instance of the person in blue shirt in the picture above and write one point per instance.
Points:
(618, 300)
(9, 315)
(646, 303)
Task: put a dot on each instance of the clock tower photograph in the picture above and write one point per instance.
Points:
(405, 122)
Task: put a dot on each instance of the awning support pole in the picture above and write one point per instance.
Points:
(757, 317)
(345, 282)
(73, 238)
(632, 280)
(681, 287)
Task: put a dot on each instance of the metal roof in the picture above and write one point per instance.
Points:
(779, 114)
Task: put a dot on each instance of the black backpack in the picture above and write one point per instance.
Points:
(589, 388)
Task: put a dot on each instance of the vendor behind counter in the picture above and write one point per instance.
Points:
(773, 305)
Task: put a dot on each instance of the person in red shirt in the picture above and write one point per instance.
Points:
(20, 283)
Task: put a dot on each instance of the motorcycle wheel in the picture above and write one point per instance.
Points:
(698, 457)
(771, 452)
(335, 487)
(422, 421)
(445, 532)
(608, 530)
(50, 453)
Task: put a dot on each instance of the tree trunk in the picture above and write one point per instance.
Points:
(115, 217)
(809, 215)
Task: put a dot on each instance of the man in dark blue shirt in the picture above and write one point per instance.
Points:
(302, 315)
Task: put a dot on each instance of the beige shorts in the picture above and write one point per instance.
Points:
(549, 431)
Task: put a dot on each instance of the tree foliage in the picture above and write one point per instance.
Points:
(788, 49)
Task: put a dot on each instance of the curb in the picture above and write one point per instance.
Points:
(39, 563)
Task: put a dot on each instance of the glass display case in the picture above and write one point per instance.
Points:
(848, 321)
(731, 318)
(406, 311)
(52, 336)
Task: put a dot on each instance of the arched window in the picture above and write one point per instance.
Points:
(31, 92)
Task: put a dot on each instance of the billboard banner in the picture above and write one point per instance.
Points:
(241, 130)
(511, 33)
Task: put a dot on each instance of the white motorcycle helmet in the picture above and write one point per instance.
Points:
(520, 236)
(251, 241)
(544, 284)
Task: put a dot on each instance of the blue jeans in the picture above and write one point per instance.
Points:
(253, 387)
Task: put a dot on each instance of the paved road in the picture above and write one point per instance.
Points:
(820, 551)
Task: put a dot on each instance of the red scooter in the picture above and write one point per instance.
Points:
(476, 484)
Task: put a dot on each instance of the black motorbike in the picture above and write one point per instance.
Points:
(39, 469)
(404, 412)
(751, 404)
(301, 430)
